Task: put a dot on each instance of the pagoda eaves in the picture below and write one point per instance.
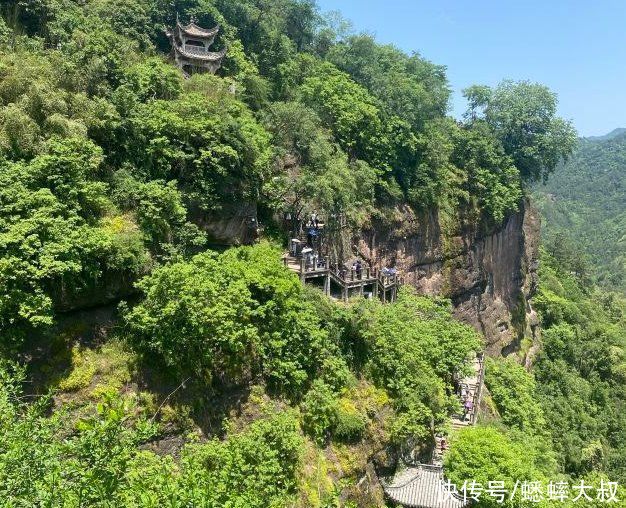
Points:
(190, 48)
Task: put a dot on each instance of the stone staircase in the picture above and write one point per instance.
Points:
(421, 485)
(473, 386)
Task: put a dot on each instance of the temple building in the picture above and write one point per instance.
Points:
(190, 48)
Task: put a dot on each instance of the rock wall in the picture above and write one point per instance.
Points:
(489, 274)
(233, 224)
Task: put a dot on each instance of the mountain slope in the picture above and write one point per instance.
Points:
(611, 135)
(585, 200)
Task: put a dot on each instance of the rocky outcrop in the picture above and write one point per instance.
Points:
(232, 224)
(109, 288)
(488, 273)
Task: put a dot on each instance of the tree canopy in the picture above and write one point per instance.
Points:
(523, 118)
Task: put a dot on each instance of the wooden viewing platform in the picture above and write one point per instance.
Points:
(342, 283)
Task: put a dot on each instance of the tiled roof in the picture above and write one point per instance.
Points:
(422, 486)
(193, 30)
(200, 53)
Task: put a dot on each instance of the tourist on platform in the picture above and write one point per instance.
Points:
(464, 391)
(314, 219)
(311, 235)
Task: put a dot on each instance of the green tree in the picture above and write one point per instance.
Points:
(206, 140)
(523, 117)
(256, 468)
(493, 181)
(484, 454)
(349, 110)
(160, 212)
(229, 317)
(414, 348)
(410, 87)
(153, 79)
(514, 394)
(316, 174)
(55, 238)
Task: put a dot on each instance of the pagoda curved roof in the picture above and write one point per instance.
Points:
(423, 487)
(200, 54)
(193, 30)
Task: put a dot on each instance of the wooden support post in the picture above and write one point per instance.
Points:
(327, 283)
(352, 274)
(376, 288)
(302, 269)
(394, 291)
(344, 291)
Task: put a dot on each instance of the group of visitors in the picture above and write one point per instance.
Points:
(466, 398)
(389, 271)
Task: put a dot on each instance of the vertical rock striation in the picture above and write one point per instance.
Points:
(490, 274)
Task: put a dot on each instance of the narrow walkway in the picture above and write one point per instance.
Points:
(474, 388)
(346, 282)
(423, 485)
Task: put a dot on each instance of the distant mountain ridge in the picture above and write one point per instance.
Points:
(611, 135)
(585, 199)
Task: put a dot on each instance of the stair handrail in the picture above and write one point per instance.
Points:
(479, 388)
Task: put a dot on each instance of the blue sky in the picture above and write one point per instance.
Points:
(577, 48)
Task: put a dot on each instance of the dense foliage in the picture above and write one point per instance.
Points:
(481, 454)
(241, 315)
(230, 317)
(220, 320)
(303, 115)
(522, 118)
(514, 394)
(567, 412)
(112, 167)
(60, 234)
(100, 464)
(580, 372)
(415, 350)
(584, 204)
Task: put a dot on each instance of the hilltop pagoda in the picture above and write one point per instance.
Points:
(190, 48)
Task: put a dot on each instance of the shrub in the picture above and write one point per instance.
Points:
(319, 411)
(349, 423)
(228, 317)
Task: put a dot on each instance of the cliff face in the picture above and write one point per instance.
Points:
(489, 275)
(233, 224)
